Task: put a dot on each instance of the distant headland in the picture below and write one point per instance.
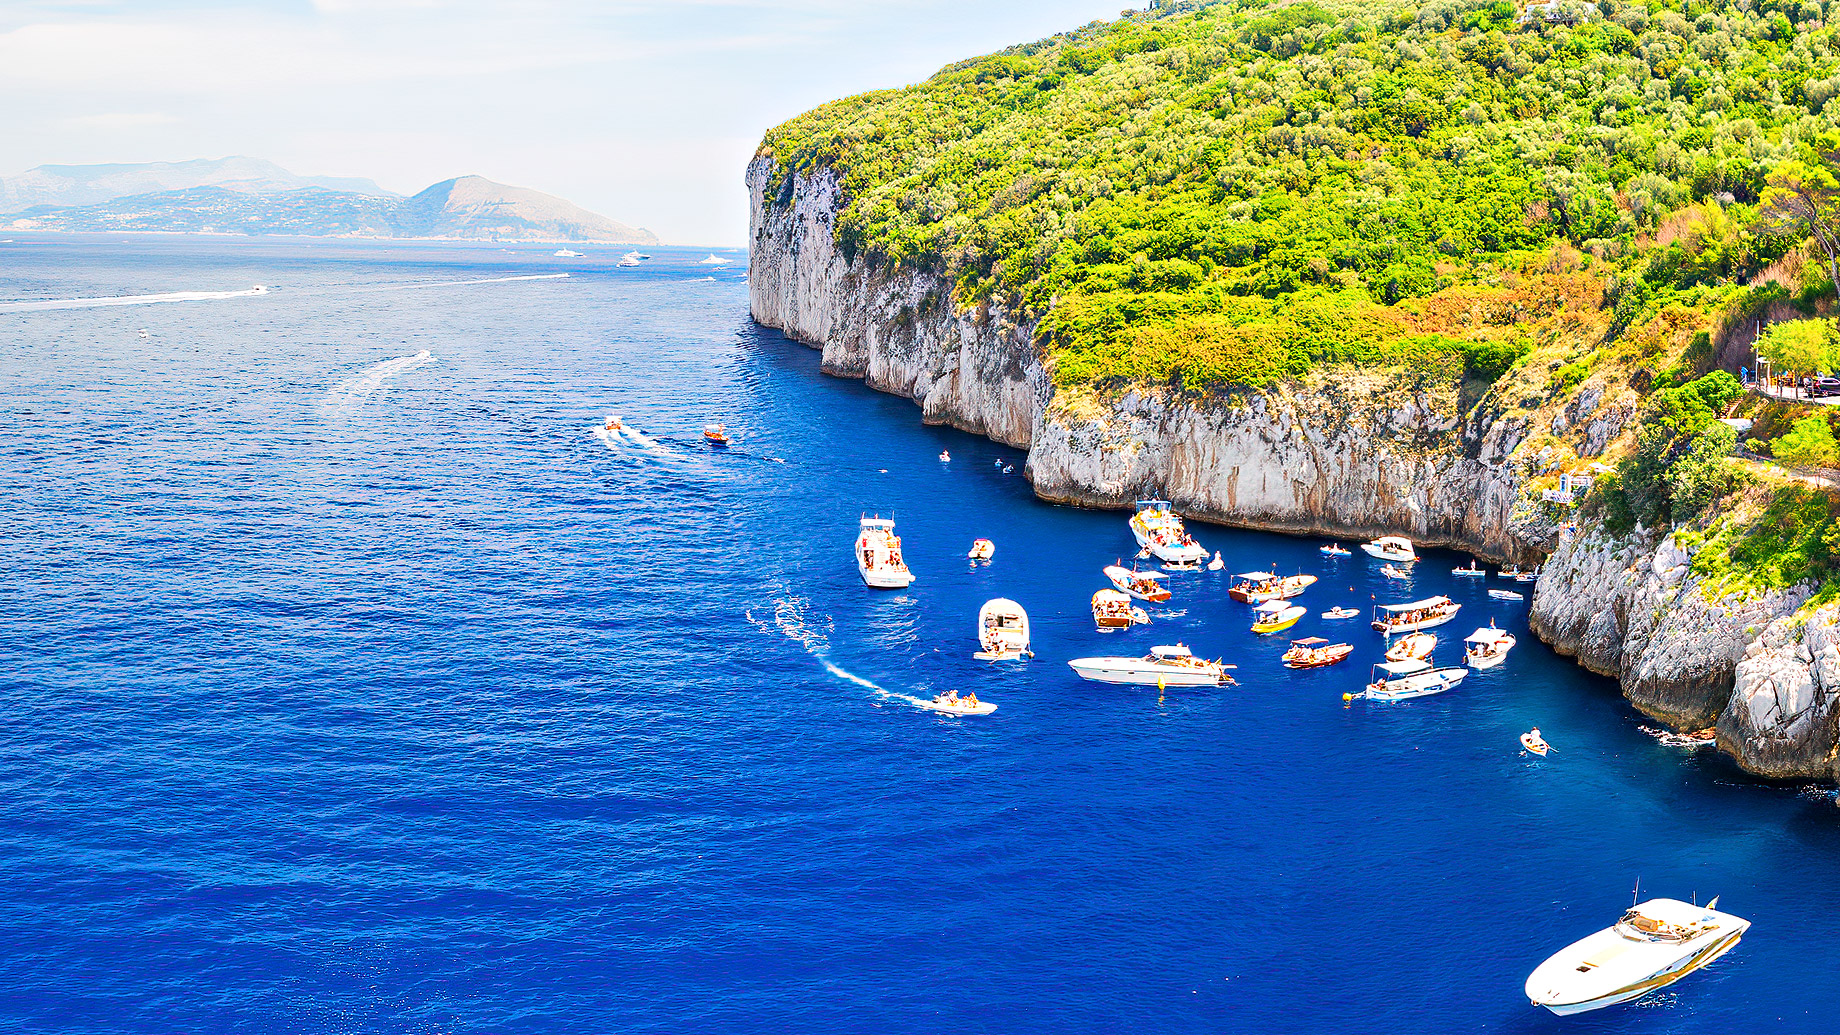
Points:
(249, 196)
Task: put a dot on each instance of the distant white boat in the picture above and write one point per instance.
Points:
(952, 704)
(629, 259)
(1216, 564)
(1505, 594)
(1471, 570)
(1335, 550)
(1402, 680)
(714, 260)
(982, 550)
(1391, 548)
(1429, 613)
(564, 253)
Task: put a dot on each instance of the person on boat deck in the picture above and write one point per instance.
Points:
(1535, 734)
(972, 700)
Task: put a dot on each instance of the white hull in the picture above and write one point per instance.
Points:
(1609, 967)
(885, 578)
(1423, 623)
(1482, 661)
(981, 708)
(1423, 684)
(1384, 554)
(1187, 553)
(1137, 672)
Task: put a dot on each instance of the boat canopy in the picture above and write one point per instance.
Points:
(1308, 641)
(1393, 540)
(1416, 605)
(1274, 606)
(877, 522)
(1177, 651)
(1403, 668)
(1151, 504)
(1110, 596)
(1255, 576)
(1489, 635)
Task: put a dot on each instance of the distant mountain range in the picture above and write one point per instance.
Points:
(251, 196)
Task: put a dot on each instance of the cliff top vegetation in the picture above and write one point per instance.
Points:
(1220, 195)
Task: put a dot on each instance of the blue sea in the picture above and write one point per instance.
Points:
(353, 683)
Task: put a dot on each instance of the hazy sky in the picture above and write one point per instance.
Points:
(645, 112)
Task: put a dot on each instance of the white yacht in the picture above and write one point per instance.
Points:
(878, 555)
(714, 260)
(1487, 648)
(1163, 666)
(567, 253)
(629, 259)
(1428, 613)
(1159, 530)
(1655, 944)
(1003, 631)
(1391, 548)
(1401, 680)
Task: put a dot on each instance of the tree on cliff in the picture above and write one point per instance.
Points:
(1803, 201)
(1809, 443)
(1799, 346)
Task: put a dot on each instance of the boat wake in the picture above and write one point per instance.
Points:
(356, 389)
(791, 618)
(26, 306)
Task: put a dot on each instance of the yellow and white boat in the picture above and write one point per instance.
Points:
(1276, 616)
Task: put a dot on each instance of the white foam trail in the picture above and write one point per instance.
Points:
(650, 444)
(608, 439)
(356, 389)
(790, 618)
(114, 300)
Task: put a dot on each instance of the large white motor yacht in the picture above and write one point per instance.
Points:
(1159, 530)
(878, 555)
(1654, 945)
(1391, 548)
(1163, 666)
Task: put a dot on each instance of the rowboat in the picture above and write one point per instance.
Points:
(716, 435)
(1392, 572)
(1472, 570)
(1335, 550)
(1534, 743)
(1391, 548)
(1412, 647)
(1341, 612)
(1505, 594)
(982, 550)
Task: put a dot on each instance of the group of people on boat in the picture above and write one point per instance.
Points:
(1416, 615)
(951, 699)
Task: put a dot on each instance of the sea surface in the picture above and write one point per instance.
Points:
(351, 682)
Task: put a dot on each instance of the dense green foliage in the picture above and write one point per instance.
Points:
(1809, 443)
(1800, 346)
(1678, 466)
(1239, 192)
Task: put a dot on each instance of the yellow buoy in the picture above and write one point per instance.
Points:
(1347, 697)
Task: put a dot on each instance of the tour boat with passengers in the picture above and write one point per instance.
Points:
(1487, 648)
(1163, 666)
(1428, 613)
(1412, 647)
(1655, 944)
(1316, 652)
(1112, 610)
(716, 435)
(1160, 530)
(1276, 616)
(1003, 631)
(878, 555)
(1143, 585)
(1256, 587)
(1391, 548)
(1402, 680)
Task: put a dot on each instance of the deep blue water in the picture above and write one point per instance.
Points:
(348, 692)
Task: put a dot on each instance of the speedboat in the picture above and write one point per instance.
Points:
(1112, 610)
(1428, 613)
(1216, 564)
(1276, 616)
(982, 550)
(1315, 652)
(1003, 631)
(713, 260)
(1392, 572)
(716, 435)
(1505, 594)
(878, 555)
(613, 423)
(1341, 612)
(1335, 550)
(1142, 585)
(1259, 586)
(952, 704)
(1391, 548)
(1159, 530)
(628, 261)
(1487, 648)
(567, 253)
(1412, 647)
(1163, 666)
(1655, 944)
(1403, 680)
(1473, 569)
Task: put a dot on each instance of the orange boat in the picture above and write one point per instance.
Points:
(716, 435)
(1316, 652)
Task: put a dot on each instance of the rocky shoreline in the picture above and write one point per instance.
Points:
(1346, 457)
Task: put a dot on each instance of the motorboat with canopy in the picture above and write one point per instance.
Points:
(1403, 680)
(1316, 652)
(1163, 666)
(878, 555)
(1256, 587)
(1655, 944)
(1276, 616)
(1112, 611)
(1487, 648)
(1428, 613)
(1003, 631)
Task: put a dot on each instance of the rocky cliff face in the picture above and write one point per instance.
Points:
(1350, 456)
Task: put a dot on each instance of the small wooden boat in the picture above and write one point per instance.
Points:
(1316, 652)
(1216, 564)
(1142, 585)
(945, 457)
(982, 550)
(1256, 587)
(1532, 575)
(716, 435)
(1473, 570)
(1391, 548)
(1392, 572)
(1341, 612)
(1335, 550)
(1512, 571)
(1414, 647)
(1534, 743)
(1505, 594)
(1003, 631)
(1112, 610)
(1275, 616)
